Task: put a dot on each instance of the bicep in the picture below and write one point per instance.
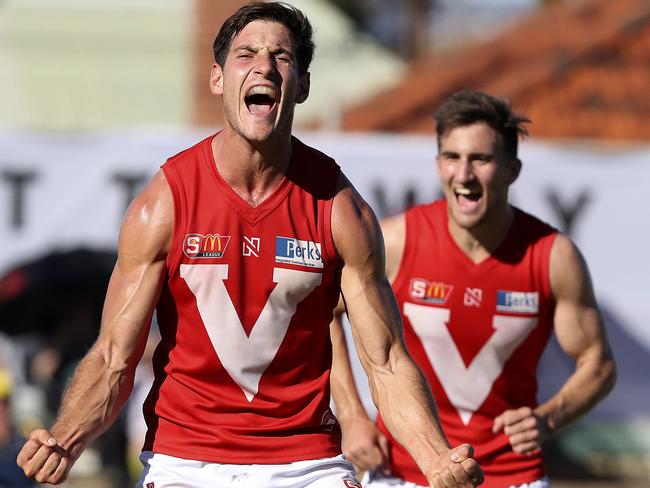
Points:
(368, 297)
(138, 276)
(577, 320)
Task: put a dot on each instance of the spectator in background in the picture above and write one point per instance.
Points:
(11, 476)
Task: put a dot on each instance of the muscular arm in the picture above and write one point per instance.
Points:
(396, 384)
(104, 378)
(580, 333)
(362, 443)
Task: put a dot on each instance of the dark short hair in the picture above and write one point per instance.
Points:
(283, 13)
(468, 107)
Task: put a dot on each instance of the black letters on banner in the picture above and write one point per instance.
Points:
(18, 181)
(568, 213)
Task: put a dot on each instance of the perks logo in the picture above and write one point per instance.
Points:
(430, 291)
(289, 250)
(517, 301)
(205, 246)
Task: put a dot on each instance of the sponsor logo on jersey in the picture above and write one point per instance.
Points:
(328, 421)
(289, 250)
(351, 484)
(517, 301)
(430, 291)
(205, 246)
(473, 297)
(251, 246)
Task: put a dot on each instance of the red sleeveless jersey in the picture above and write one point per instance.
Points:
(242, 370)
(477, 331)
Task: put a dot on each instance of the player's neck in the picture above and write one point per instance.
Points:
(480, 241)
(253, 171)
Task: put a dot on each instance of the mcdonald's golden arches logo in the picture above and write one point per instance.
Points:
(205, 246)
(430, 291)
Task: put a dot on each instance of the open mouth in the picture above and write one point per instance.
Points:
(261, 100)
(466, 197)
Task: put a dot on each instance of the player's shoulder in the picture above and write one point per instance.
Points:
(303, 150)
(529, 224)
(155, 193)
(314, 171)
(565, 253)
(149, 220)
(568, 270)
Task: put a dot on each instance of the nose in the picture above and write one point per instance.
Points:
(464, 170)
(265, 64)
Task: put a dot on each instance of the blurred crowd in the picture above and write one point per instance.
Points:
(50, 311)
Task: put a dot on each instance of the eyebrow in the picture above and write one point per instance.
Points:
(251, 49)
(245, 47)
(484, 155)
(472, 155)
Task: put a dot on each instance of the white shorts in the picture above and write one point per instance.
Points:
(374, 479)
(162, 471)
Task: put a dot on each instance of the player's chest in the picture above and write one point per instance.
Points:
(469, 312)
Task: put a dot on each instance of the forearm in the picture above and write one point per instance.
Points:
(91, 402)
(397, 385)
(592, 380)
(407, 408)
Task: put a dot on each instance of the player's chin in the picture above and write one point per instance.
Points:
(259, 134)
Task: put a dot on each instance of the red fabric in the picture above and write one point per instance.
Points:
(196, 410)
(519, 264)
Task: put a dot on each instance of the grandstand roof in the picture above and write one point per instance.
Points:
(579, 69)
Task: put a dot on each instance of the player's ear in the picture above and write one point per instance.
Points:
(303, 87)
(515, 169)
(216, 79)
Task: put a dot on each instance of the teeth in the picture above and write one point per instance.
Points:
(462, 191)
(263, 90)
